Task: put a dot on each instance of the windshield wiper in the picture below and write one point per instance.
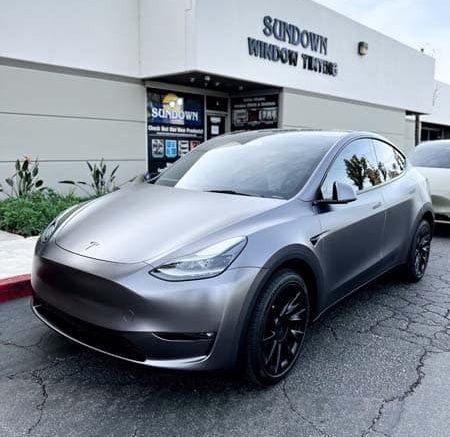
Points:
(231, 192)
(238, 193)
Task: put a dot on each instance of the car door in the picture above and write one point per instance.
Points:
(350, 244)
(398, 190)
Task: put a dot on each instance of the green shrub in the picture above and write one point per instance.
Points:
(29, 215)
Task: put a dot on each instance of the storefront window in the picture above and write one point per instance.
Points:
(175, 123)
(255, 112)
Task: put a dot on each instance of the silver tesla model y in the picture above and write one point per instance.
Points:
(226, 257)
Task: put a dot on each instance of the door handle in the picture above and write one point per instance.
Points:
(412, 191)
(377, 205)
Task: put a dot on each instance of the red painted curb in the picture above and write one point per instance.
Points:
(15, 287)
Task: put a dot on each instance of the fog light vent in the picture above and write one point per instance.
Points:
(185, 336)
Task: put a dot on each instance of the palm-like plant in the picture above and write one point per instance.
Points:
(100, 182)
(25, 180)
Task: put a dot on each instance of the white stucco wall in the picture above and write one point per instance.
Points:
(314, 112)
(149, 38)
(391, 74)
(410, 134)
(165, 43)
(98, 35)
(66, 119)
(440, 113)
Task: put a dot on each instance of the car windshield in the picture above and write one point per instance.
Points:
(275, 165)
(432, 154)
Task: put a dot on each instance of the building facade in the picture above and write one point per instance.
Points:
(141, 82)
(436, 126)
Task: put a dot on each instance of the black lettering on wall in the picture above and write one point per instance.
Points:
(279, 30)
(272, 52)
(304, 39)
(293, 35)
(323, 45)
(293, 58)
(314, 38)
(253, 47)
(267, 21)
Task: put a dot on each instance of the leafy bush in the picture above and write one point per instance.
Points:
(25, 180)
(100, 181)
(29, 215)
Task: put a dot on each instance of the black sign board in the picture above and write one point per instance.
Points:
(255, 112)
(175, 125)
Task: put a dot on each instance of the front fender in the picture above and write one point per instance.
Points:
(293, 253)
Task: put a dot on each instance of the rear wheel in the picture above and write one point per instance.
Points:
(277, 328)
(419, 253)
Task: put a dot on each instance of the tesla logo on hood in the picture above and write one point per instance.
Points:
(91, 245)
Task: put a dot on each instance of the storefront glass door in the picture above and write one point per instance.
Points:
(215, 125)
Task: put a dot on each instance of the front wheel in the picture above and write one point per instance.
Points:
(419, 253)
(277, 328)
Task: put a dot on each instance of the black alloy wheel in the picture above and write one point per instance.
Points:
(420, 252)
(277, 329)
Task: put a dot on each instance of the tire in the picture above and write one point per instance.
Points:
(419, 252)
(277, 329)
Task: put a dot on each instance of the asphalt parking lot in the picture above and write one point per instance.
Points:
(378, 364)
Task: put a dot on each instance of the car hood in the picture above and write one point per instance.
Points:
(438, 179)
(146, 222)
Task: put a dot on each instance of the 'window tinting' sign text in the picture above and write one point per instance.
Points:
(293, 35)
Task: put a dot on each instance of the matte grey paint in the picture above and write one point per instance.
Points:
(107, 284)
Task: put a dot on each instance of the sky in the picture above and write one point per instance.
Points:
(417, 23)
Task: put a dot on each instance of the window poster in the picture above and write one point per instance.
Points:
(254, 112)
(175, 125)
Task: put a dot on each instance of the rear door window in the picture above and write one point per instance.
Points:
(390, 162)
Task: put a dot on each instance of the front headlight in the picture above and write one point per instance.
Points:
(206, 263)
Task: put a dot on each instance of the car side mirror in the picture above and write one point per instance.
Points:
(342, 193)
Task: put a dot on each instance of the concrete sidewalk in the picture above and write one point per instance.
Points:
(16, 254)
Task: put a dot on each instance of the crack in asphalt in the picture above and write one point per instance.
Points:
(40, 407)
(399, 315)
(297, 413)
(30, 372)
(36, 375)
(400, 398)
(25, 346)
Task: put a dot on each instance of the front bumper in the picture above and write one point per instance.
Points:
(121, 310)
